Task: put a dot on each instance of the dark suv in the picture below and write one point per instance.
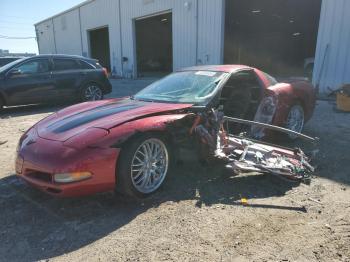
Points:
(7, 59)
(46, 78)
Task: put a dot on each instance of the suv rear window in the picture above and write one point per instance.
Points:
(85, 65)
(61, 64)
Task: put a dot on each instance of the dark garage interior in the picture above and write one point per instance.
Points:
(154, 45)
(273, 35)
(99, 46)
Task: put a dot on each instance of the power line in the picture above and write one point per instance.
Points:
(17, 37)
(15, 26)
(18, 17)
(11, 22)
(17, 31)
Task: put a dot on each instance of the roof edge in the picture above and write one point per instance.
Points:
(65, 11)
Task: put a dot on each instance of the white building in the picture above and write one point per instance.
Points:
(141, 37)
(70, 31)
(332, 60)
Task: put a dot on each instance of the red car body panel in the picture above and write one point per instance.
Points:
(52, 157)
(66, 124)
(287, 93)
(87, 136)
(120, 134)
(40, 158)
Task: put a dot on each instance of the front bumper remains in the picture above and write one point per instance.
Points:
(40, 159)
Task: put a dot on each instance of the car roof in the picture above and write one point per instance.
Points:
(60, 56)
(217, 68)
(63, 56)
(11, 57)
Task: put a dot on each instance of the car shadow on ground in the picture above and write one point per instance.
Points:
(35, 226)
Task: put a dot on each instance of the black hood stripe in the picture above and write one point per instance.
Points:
(90, 116)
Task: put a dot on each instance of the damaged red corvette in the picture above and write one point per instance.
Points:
(130, 143)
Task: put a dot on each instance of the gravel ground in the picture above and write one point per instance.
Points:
(196, 216)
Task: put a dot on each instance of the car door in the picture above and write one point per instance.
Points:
(30, 82)
(67, 76)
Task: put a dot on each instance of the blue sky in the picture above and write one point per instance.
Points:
(17, 18)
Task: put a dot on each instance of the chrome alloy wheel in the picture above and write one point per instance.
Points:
(92, 93)
(149, 165)
(295, 119)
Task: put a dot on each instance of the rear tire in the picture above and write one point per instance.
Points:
(295, 119)
(91, 92)
(143, 165)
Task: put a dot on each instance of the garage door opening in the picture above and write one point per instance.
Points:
(99, 46)
(277, 36)
(154, 45)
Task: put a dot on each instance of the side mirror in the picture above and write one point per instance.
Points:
(14, 72)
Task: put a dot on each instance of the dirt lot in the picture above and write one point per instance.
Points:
(196, 216)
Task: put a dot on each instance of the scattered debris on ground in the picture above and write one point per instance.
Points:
(343, 98)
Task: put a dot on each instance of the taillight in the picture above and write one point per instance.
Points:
(105, 71)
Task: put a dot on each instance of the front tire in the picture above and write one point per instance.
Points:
(295, 119)
(91, 92)
(143, 166)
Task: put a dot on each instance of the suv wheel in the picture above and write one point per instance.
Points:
(91, 92)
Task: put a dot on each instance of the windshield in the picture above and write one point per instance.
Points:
(193, 87)
(9, 65)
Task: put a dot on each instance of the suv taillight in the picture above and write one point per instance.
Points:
(105, 71)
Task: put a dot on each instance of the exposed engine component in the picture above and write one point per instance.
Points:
(241, 154)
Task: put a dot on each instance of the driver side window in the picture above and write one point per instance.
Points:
(34, 67)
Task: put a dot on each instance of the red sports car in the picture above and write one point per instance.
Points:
(129, 143)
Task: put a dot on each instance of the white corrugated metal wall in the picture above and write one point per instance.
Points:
(332, 60)
(45, 37)
(184, 28)
(197, 30)
(67, 33)
(197, 34)
(100, 13)
(211, 23)
(192, 43)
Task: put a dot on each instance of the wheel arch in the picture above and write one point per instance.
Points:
(304, 94)
(288, 95)
(121, 182)
(158, 133)
(294, 101)
(123, 134)
(300, 101)
(83, 84)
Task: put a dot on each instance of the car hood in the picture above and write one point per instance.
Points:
(104, 114)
